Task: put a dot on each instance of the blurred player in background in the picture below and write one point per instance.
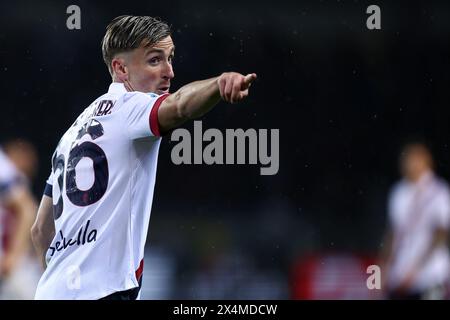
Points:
(21, 283)
(17, 209)
(415, 261)
(93, 219)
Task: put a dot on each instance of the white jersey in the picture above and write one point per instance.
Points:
(10, 178)
(416, 210)
(102, 182)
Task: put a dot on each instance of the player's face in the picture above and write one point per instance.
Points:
(24, 158)
(415, 161)
(150, 68)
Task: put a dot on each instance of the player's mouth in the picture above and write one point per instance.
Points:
(163, 90)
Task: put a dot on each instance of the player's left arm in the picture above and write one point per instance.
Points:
(385, 257)
(43, 229)
(22, 204)
(441, 218)
(440, 237)
(197, 98)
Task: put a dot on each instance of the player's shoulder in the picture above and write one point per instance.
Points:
(398, 188)
(440, 181)
(5, 163)
(122, 96)
(8, 170)
(399, 185)
(442, 185)
(137, 96)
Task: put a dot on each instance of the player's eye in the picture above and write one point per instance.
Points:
(171, 58)
(154, 60)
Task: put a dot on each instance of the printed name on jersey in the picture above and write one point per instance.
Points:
(104, 107)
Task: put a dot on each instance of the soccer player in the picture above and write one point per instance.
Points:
(21, 282)
(15, 198)
(92, 223)
(416, 262)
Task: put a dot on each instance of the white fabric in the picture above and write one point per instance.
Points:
(108, 236)
(416, 210)
(9, 179)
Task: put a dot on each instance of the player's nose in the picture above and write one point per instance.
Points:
(168, 71)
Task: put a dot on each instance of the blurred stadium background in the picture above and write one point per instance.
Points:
(344, 98)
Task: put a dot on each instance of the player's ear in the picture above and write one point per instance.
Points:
(119, 68)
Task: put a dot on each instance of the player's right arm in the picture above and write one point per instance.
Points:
(197, 98)
(385, 257)
(43, 229)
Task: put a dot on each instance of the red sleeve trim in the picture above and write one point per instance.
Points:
(154, 124)
(140, 270)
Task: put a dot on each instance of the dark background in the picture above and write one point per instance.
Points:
(345, 99)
